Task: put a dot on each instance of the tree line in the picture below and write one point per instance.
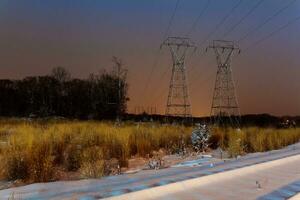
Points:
(100, 96)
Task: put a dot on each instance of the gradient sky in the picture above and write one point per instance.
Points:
(82, 36)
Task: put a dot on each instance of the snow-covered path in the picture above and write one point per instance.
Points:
(113, 186)
(262, 181)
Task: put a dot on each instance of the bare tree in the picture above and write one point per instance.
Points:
(61, 74)
(121, 74)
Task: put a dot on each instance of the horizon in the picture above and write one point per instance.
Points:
(82, 36)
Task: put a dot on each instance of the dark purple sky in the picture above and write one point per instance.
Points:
(83, 35)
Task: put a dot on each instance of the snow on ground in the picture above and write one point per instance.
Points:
(187, 168)
(198, 162)
(277, 180)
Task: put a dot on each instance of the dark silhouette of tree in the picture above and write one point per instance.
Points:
(61, 74)
(101, 96)
(121, 74)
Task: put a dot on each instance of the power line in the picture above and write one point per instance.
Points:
(198, 18)
(171, 20)
(243, 18)
(158, 52)
(152, 71)
(221, 22)
(273, 33)
(267, 20)
(201, 14)
(161, 78)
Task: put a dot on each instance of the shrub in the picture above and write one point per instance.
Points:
(15, 165)
(252, 139)
(72, 158)
(92, 163)
(236, 144)
(217, 138)
(41, 162)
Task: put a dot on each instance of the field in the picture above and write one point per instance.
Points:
(36, 151)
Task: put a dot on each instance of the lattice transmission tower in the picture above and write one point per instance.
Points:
(178, 103)
(224, 109)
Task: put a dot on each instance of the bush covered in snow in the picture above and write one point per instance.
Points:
(200, 137)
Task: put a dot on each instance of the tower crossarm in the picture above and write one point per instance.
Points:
(223, 45)
(178, 42)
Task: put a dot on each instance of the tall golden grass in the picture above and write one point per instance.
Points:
(33, 150)
(253, 139)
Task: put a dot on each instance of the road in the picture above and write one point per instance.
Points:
(257, 175)
(269, 180)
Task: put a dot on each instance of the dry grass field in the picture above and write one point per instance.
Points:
(34, 151)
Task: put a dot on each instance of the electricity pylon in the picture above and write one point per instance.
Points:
(178, 103)
(224, 109)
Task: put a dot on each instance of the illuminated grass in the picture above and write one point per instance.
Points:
(32, 151)
(253, 139)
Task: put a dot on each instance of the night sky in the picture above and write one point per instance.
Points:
(82, 36)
